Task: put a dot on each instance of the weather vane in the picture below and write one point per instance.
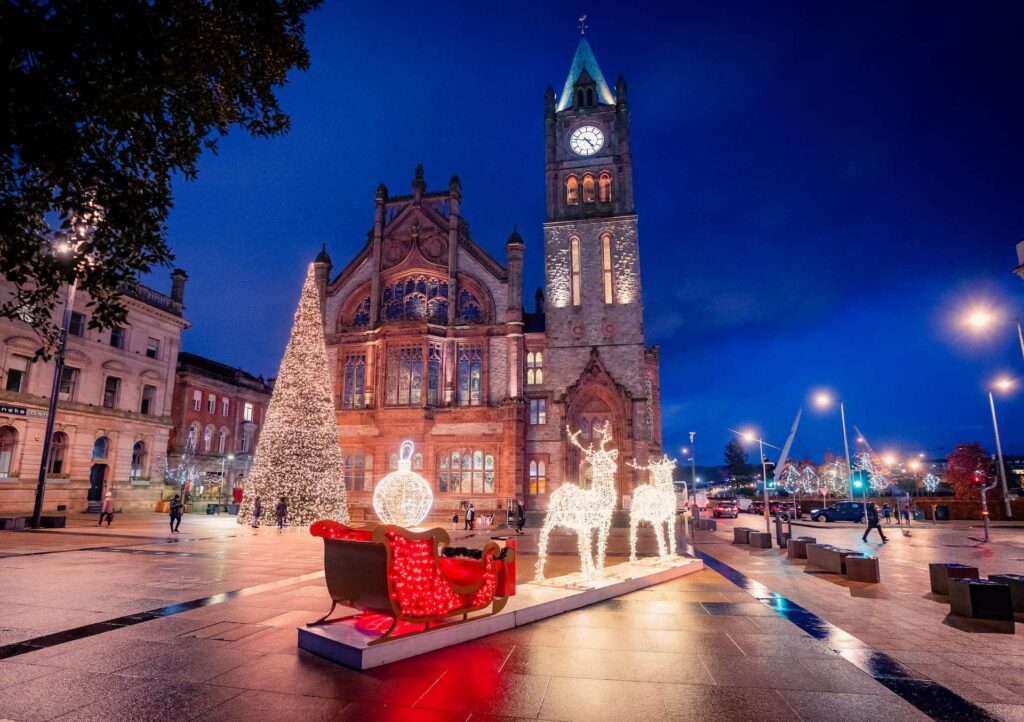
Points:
(583, 24)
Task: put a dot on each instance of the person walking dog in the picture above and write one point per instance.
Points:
(873, 523)
(107, 510)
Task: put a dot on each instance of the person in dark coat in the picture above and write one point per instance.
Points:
(257, 511)
(470, 517)
(107, 510)
(176, 509)
(281, 513)
(520, 516)
(873, 523)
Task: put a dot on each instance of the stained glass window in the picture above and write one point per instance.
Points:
(354, 381)
(434, 375)
(466, 471)
(469, 368)
(416, 299)
(535, 367)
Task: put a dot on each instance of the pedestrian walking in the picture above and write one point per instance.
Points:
(520, 516)
(470, 517)
(887, 513)
(906, 513)
(257, 511)
(281, 513)
(107, 510)
(175, 512)
(455, 521)
(873, 523)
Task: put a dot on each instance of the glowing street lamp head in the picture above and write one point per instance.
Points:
(914, 464)
(979, 319)
(823, 399)
(889, 459)
(1003, 383)
(748, 435)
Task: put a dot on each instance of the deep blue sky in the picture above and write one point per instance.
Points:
(820, 186)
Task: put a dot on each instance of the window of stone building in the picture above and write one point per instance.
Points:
(572, 191)
(8, 445)
(538, 411)
(469, 308)
(58, 450)
(17, 374)
(153, 347)
(362, 315)
(574, 249)
(247, 412)
(207, 439)
(588, 188)
(246, 441)
(193, 437)
(111, 392)
(466, 471)
(68, 383)
(211, 403)
(138, 468)
(434, 375)
(418, 298)
(117, 338)
(225, 406)
(606, 266)
(358, 470)
(353, 386)
(101, 448)
(197, 400)
(470, 366)
(537, 477)
(604, 187)
(76, 327)
(222, 441)
(535, 367)
(404, 385)
(148, 400)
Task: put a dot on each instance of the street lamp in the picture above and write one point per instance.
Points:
(825, 400)
(63, 248)
(981, 319)
(1003, 384)
(750, 436)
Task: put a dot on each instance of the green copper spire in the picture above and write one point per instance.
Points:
(585, 60)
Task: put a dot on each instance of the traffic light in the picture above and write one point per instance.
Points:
(771, 483)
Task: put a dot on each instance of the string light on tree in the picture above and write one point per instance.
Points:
(655, 503)
(584, 511)
(931, 483)
(403, 497)
(298, 456)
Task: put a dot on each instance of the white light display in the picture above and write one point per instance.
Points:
(877, 479)
(655, 503)
(931, 483)
(403, 497)
(584, 511)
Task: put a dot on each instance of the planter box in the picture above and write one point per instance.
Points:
(739, 535)
(980, 599)
(760, 539)
(941, 574)
(1016, 584)
(860, 568)
(828, 557)
(797, 548)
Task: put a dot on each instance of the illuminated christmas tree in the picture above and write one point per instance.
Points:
(298, 456)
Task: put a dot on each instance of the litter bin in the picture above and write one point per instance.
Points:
(941, 512)
(918, 515)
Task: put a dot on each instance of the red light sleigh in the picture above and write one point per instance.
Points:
(403, 575)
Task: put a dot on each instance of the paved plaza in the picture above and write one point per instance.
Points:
(132, 623)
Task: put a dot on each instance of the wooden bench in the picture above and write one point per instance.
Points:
(828, 557)
(760, 539)
(941, 574)
(862, 568)
(980, 599)
(1016, 584)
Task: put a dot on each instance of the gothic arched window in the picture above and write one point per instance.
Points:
(535, 367)
(361, 317)
(606, 267)
(588, 188)
(100, 448)
(138, 460)
(572, 191)
(469, 376)
(604, 188)
(208, 438)
(580, 98)
(575, 274)
(352, 395)
(590, 96)
(416, 299)
(434, 375)
(8, 444)
(469, 308)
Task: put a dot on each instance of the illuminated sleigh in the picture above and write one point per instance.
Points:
(404, 575)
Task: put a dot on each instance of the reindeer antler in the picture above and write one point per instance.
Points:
(606, 433)
(637, 466)
(574, 438)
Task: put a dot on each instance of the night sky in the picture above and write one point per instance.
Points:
(821, 188)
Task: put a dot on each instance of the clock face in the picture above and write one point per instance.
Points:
(586, 140)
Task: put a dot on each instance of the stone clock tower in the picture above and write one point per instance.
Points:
(594, 311)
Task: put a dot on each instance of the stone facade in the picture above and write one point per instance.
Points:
(114, 410)
(218, 410)
(430, 342)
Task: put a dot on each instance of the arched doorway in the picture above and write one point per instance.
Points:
(98, 471)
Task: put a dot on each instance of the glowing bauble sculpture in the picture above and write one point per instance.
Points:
(584, 511)
(403, 497)
(655, 503)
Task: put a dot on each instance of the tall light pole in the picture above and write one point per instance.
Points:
(1003, 384)
(824, 400)
(750, 436)
(58, 370)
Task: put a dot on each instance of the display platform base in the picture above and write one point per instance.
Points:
(348, 642)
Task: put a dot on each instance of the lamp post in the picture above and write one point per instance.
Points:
(1003, 384)
(823, 400)
(223, 476)
(58, 370)
(750, 436)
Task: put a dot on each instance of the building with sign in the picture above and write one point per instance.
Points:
(430, 340)
(113, 414)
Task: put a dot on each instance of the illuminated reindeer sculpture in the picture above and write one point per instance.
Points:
(655, 503)
(584, 511)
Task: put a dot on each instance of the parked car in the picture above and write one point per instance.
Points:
(725, 509)
(840, 511)
(756, 507)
